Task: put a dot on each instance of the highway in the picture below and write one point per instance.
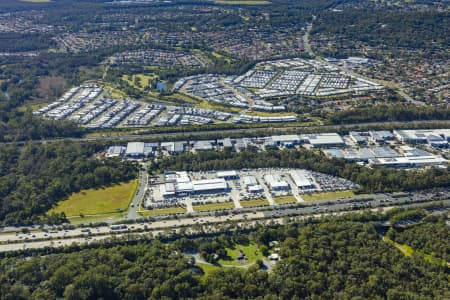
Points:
(249, 131)
(13, 241)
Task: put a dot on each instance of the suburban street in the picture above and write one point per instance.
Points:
(133, 211)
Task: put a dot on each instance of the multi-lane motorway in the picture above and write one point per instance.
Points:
(17, 240)
(250, 131)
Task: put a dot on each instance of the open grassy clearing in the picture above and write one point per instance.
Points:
(180, 97)
(257, 202)
(285, 200)
(145, 80)
(250, 251)
(207, 268)
(98, 201)
(222, 57)
(97, 218)
(213, 206)
(114, 91)
(328, 195)
(208, 105)
(409, 251)
(163, 211)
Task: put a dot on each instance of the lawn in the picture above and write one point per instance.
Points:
(145, 80)
(115, 92)
(222, 57)
(213, 206)
(208, 105)
(208, 269)
(180, 97)
(285, 200)
(96, 218)
(257, 202)
(328, 195)
(98, 201)
(163, 211)
(251, 252)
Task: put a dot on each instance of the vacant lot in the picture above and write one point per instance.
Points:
(327, 196)
(213, 206)
(98, 201)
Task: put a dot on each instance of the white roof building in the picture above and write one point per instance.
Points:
(325, 140)
(227, 174)
(250, 180)
(135, 149)
(408, 162)
(209, 185)
(275, 182)
(300, 179)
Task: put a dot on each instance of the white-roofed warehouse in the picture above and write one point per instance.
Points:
(301, 180)
(275, 182)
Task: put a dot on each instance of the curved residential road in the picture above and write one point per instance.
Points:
(311, 53)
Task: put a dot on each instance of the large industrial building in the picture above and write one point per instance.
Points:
(180, 184)
(434, 137)
(140, 149)
(301, 180)
(324, 140)
(408, 162)
(275, 182)
(252, 184)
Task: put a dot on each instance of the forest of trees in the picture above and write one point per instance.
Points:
(431, 237)
(344, 258)
(382, 113)
(413, 30)
(371, 180)
(35, 177)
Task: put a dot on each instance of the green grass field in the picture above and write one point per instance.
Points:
(208, 105)
(213, 206)
(285, 200)
(96, 218)
(163, 211)
(328, 195)
(145, 80)
(256, 202)
(112, 199)
(208, 269)
(251, 252)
